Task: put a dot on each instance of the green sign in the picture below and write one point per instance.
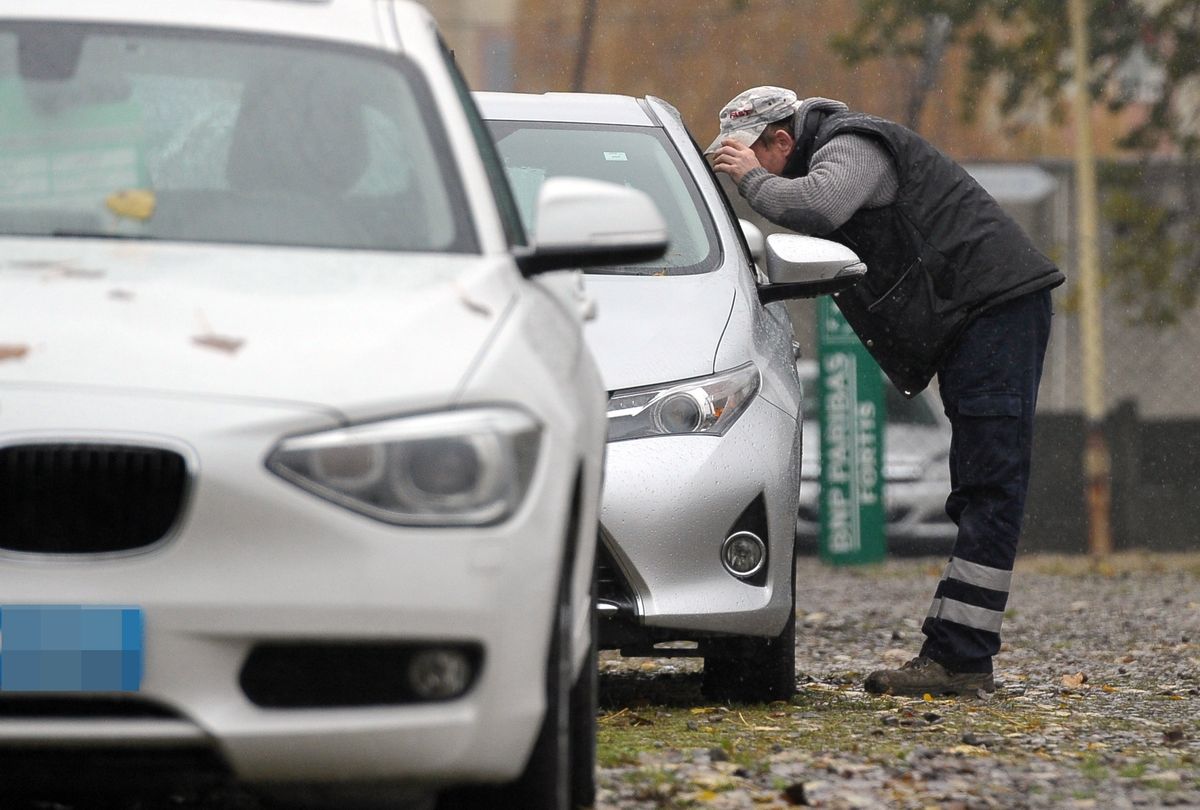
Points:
(852, 418)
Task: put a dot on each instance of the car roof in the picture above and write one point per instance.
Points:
(591, 108)
(352, 21)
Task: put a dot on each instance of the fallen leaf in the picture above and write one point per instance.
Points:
(968, 750)
(1074, 681)
(78, 272)
(229, 345)
(928, 698)
(132, 203)
(13, 351)
(35, 264)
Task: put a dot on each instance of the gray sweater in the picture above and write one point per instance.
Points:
(846, 174)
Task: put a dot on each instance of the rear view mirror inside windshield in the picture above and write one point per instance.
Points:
(48, 52)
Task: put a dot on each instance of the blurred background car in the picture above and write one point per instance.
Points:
(915, 469)
(300, 458)
(703, 458)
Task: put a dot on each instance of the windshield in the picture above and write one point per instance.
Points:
(159, 134)
(638, 157)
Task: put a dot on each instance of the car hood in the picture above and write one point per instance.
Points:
(323, 327)
(653, 329)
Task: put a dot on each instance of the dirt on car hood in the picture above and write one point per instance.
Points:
(316, 326)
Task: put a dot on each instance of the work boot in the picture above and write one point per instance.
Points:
(922, 676)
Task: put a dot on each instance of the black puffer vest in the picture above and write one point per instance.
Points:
(943, 252)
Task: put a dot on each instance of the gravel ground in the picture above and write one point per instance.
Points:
(1098, 704)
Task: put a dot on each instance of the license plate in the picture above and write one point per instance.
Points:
(70, 648)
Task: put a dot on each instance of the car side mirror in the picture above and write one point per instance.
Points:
(806, 267)
(590, 223)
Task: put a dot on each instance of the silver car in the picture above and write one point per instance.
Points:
(703, 462)
(916, 471)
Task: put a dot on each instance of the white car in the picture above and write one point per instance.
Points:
(704, 449)
(300, 454)
(916, 471)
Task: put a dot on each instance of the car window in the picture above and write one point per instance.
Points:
(157, 134)
(638, 157)
(505, 204)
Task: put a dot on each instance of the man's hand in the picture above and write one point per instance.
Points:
(734, 159)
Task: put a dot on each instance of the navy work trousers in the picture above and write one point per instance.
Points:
(989, 386)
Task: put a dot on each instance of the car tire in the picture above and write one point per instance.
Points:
(583, 719)
(752, 669)
(560, 773)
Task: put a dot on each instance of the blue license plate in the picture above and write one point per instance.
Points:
(70, 648)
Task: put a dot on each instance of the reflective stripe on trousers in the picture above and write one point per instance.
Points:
(988, 385)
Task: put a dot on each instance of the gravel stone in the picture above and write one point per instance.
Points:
(1096, 705)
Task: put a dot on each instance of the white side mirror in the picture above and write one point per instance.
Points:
(805, 267)
(588, 223)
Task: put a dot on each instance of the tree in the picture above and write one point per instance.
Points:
(1144, 52)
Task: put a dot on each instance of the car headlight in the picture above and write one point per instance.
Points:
(456, 468)
(706, 406)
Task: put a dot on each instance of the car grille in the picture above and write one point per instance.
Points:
(78, 498)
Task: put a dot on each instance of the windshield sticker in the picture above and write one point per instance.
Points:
(615, 156)
(132, 203)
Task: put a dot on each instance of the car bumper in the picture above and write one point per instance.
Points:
(256, 560)
(669, 504)
(916, 514)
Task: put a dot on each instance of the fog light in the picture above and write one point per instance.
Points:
(439, 674)
(743, 554)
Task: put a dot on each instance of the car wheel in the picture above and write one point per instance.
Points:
(751, 669)
(560, 773)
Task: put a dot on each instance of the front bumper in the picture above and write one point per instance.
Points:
(257, 560)
(915, 512)
(671, 501)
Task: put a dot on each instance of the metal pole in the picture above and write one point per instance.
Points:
(1096, 460)
(587, 26)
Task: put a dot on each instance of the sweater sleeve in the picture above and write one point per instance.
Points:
(848, 173)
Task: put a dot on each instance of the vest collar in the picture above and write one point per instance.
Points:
(809, 117)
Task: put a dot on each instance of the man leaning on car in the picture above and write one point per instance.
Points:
(954, 288)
